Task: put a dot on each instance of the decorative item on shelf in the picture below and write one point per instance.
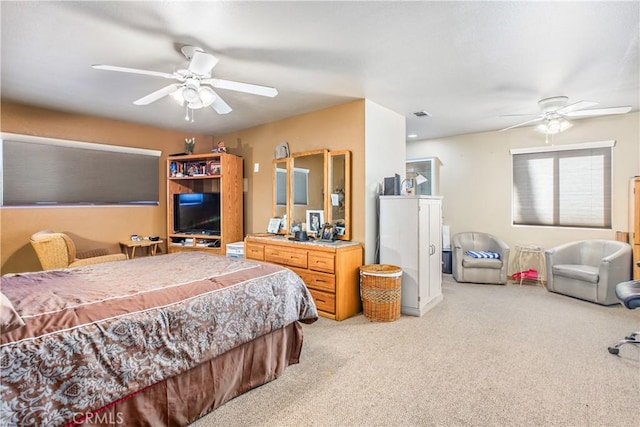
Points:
(282, 150)
(295, 227)
(199, 168)
(300, 236)
(213, 167)
(189, 145)
(221, 148)
(412, 181)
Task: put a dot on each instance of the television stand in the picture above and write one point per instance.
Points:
(206, 173)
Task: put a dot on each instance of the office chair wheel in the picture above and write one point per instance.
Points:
(614, 350)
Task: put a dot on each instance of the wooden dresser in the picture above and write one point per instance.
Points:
(330, 270)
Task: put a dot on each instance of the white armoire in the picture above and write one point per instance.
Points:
(411, 238)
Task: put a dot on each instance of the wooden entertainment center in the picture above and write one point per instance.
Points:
(218, 173)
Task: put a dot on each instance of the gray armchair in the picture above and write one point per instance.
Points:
(479, 270)
(589, 269)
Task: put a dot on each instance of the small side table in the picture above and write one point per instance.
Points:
(152, 246)
(530, 256)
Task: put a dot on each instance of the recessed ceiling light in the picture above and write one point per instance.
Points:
(422, 114)
(412, 135)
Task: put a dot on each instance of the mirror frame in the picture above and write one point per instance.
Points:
(347, 191)
(274, 211)
(327, 182)
(325, 164)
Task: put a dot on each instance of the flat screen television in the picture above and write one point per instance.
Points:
(196, 213)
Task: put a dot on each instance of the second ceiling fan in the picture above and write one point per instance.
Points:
(554, 112)
(195, 84)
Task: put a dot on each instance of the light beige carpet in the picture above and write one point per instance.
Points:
(487, 355)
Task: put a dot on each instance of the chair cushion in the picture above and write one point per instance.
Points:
(483, 254)
(586, 273)
(629, 293)
(471, 262)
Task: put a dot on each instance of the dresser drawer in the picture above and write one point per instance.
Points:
(324, 301)
(254, 251)
(319, 281)
(321, 261)
(286, 257)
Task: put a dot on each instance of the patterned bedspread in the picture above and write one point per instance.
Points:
(100, 333)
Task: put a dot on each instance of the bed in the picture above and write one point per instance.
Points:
(155, 341)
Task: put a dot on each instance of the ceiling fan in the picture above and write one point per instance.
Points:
(554, 112)
(195, 84)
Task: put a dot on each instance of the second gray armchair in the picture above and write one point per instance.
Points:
(467, 268)
(589, 269)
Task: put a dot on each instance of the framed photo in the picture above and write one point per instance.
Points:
(327, 233)
(315, 220)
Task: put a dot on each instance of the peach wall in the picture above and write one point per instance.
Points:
(336, 128)
(89, 226)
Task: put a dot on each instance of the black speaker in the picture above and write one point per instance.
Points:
(392, 185)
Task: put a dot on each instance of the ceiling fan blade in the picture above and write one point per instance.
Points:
(134, 71)
(242, 87)
(580, 105)
(599, 112)
(519, 115)
(219, 105)
(537, 119)
(202, 63)
(154, 96)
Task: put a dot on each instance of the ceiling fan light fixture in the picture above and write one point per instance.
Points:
(190, 94)
(207, 96)
(554, 126)
(195, 105)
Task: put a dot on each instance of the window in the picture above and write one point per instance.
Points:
(40, 171)
(566, 186)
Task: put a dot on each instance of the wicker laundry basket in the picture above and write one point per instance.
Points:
(380, 291)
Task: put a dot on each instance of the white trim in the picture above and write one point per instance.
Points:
(553, 148)
(423, 159)
(77, 144)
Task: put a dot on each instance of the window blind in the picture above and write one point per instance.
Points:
(566, 187)
(45, 172)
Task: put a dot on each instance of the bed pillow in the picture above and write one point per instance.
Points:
(9, 318)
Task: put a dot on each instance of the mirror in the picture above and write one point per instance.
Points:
(313, 188)
(281, 194)
(308, 204)
(339, 184)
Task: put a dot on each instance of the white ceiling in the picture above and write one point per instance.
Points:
(466, 63)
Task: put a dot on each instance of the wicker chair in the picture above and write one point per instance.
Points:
(57, 250)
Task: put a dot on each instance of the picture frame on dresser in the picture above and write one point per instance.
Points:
(327, 233)
(315, 219)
